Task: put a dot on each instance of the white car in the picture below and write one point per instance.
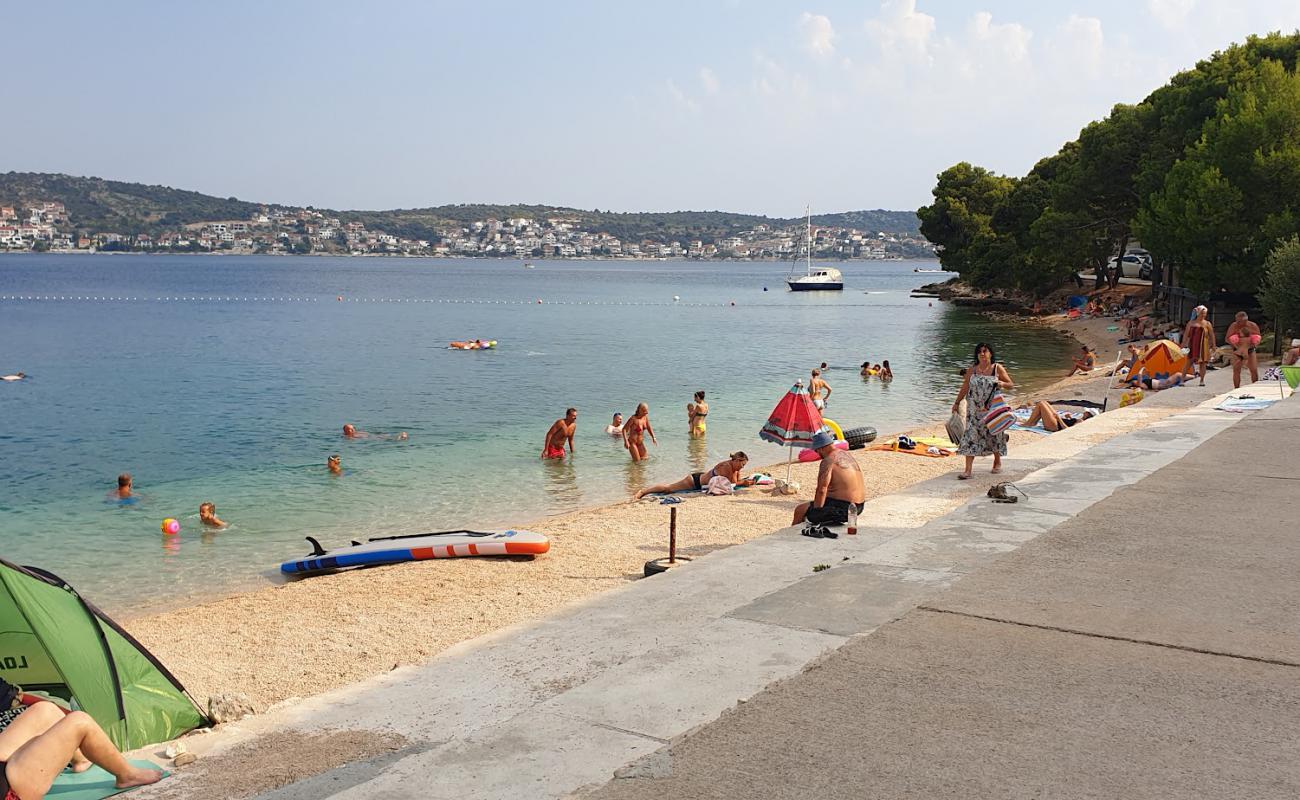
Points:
(1131, 266)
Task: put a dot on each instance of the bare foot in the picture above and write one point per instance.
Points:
(135, 776)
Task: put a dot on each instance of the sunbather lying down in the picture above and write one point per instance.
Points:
(1143, 380)
(1053, 420)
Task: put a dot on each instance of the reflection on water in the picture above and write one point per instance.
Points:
(634, 475)
(697, 453)
(560, 478)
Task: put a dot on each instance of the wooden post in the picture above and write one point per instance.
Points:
(672, 535)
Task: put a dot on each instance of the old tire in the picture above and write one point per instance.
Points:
(659, 565)
(858, 438)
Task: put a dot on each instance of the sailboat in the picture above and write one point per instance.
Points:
(816, 280)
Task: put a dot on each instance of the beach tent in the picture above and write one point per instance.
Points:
(1161, 360)
(53, 641)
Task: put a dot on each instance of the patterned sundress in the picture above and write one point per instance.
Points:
(977, 441)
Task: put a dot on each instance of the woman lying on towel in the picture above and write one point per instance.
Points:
(1054, 420)
(38, 741)
(1142, 379)
(729, 469)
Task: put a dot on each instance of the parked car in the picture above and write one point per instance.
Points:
(1131, 265)
(1147, 271)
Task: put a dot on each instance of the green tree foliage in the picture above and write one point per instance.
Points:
(1205, 171)
(960, 221)
(1280, 292)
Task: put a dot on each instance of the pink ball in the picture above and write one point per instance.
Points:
(170, 527)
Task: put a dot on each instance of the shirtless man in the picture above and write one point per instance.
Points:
(350, 432)
(839, 485)
(1244, 336)
(634, 431)
(124, 485)
(819, 390)
(559, 433)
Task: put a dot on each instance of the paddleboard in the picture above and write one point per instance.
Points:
(418, 547)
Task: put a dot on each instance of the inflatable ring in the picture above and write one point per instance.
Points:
(835, 429)
(813, 455)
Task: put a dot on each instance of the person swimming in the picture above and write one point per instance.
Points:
(208, 515)
(350, 432)
(615, 427)
(334, 464)
(17, 376)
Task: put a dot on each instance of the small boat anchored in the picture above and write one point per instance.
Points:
(816, 280)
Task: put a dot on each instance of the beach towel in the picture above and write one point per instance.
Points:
(93, 784)
(1240, 405)
(929, 452)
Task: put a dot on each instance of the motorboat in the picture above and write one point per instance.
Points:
(818, 279)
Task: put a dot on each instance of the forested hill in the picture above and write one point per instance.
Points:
(134, 208)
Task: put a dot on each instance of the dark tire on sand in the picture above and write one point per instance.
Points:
(858, 438)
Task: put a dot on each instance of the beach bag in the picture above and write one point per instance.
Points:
(999, 417)
(955, 426)
(719, 484)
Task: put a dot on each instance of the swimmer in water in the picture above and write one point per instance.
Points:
(17, 376)
(124, 486)
(335, 466)
(615, 428)
(350, 432)
(208, 515)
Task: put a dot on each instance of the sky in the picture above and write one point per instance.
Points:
(735, 105)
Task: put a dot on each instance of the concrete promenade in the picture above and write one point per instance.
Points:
(1149, 647)
(1130, 630)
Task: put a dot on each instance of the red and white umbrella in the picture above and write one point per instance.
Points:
(793, 422)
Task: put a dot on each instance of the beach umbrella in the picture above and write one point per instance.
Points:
(793, 422)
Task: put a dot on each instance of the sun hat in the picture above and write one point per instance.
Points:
(822, 438)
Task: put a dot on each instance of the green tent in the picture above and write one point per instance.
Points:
(53, 641)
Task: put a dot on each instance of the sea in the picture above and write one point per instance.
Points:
(228, 379)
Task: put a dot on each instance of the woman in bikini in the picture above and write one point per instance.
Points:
(1199, 339)
(634, 431)
(695, 414)
(729, 469)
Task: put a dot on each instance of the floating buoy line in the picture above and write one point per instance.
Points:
(61, 298)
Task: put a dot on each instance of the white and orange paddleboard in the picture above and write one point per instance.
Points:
(418, 547)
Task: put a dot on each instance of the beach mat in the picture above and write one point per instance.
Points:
(920, 451)
(93, 784)
(1241, 405)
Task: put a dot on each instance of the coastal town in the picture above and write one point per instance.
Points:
(47, 226)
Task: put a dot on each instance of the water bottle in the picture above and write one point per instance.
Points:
(853, 520)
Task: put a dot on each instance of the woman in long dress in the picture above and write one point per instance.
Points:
(984, 379)
(1199, 340)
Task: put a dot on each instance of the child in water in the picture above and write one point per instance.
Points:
(208, 515)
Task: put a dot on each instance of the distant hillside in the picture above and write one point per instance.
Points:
(133, 208)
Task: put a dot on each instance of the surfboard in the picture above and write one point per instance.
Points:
(418, 547)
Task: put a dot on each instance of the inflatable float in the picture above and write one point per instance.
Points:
(418, 547)
(813, 455)
(477, 344)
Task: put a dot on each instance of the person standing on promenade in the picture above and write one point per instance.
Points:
(819, 390)
(695, 413)
(561, 431)
(984, 379)
(1198, 338)
(1244, 336)
(634, 431)
(839, 485)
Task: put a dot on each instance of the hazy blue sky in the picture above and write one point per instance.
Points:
(741, 105)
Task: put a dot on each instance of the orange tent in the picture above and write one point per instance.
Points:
(1161, 360)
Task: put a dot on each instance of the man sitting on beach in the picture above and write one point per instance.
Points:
(1084, 364)
(559, 433)
(839, 485)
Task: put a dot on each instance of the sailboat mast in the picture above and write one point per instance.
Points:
(808, 210)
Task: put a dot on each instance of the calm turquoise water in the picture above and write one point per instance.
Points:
(229, 378)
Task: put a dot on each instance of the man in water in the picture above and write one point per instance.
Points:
(124, 486)
(1244, 336)
(17, 376)
(615, 428)
(350, 432)
(839, 485)
(335, 466)
(559, 433)
(819, 390)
